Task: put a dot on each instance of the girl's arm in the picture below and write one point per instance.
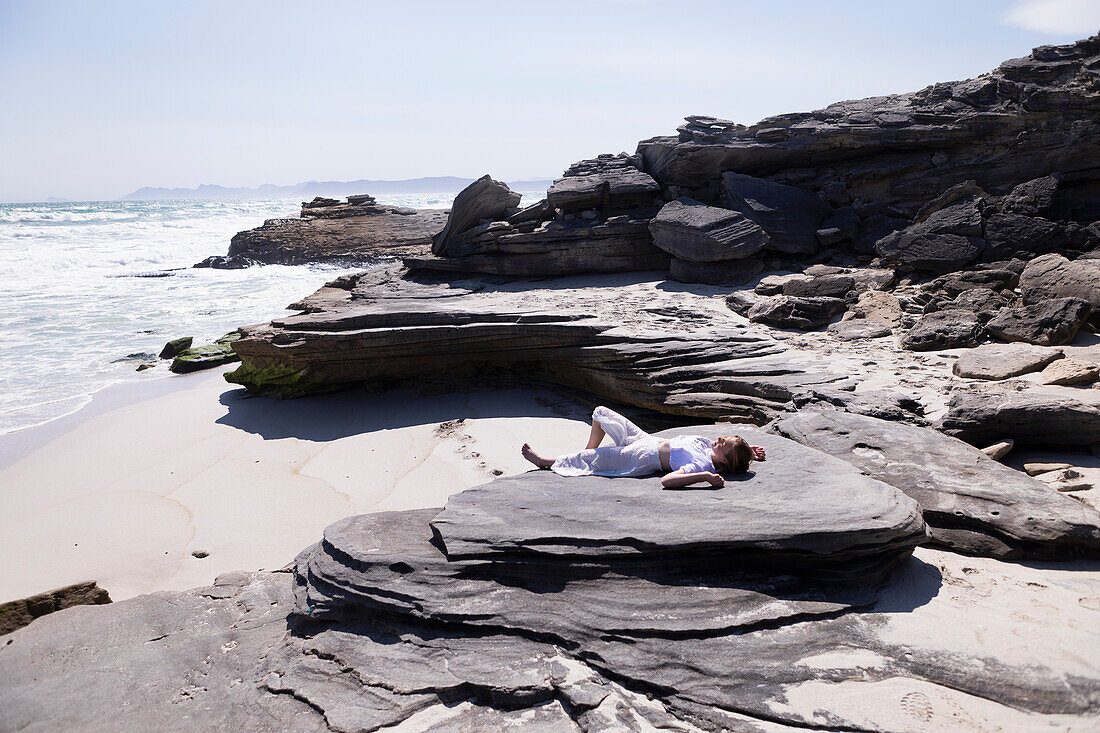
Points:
(679, 479)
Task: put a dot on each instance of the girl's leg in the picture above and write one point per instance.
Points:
(596, 436)
(621, 430)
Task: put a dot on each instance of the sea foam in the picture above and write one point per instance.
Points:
(88, 283)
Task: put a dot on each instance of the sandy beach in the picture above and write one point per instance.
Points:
(125, 491)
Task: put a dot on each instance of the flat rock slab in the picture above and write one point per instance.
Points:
(692, 231)
(971, 503)
(1071, 373)
(859, 328)
(389, 563)
(1001, 361)
(226, 658)
(621, 339)
(981, 414)
(765, 512)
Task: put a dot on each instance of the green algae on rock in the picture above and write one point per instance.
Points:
(204, 357)
(277, 379)
(176, 346)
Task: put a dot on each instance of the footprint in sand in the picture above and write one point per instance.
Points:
(1090, 602)
(456, 430)
(917, 705)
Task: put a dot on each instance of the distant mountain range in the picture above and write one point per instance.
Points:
(340, 189)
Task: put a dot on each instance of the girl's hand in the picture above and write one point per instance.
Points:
(758, 453)
(716, 481)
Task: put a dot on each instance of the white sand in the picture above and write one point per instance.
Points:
(1038, 618)
(125, 493)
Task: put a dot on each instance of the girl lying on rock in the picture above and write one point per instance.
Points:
(685, 459)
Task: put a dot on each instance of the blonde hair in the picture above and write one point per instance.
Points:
(737, 456)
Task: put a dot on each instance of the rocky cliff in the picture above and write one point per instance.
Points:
(980, 169)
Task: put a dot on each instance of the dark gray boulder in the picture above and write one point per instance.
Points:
(607, 183)
(927, 252)
(1008, 234)
(986, 413)
(822, 286)
(991, 279)
(971, 503)
(1054, 276)
(945, 329)
(689, 230)
(842, 226)
(786, 311)
(791, 216)
(983, 302)
(1001, 361)
(962, 216)
(482, 199)
(1050, 323)
(965, 190)
(1032, 198)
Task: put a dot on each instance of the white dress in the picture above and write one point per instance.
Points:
(634, 453)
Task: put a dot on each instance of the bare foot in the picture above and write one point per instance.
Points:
(534, 457)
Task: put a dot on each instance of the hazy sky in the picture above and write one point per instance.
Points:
(100, 98)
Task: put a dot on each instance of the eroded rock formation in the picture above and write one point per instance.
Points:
(972, 503)
(521, 605)
(386, 327)
(352, 232)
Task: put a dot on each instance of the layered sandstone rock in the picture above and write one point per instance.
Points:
(356, 231)
(1025, 120)
(594, 219)
(756, 609)
(621, 343)
(971, 503)
(983, 413)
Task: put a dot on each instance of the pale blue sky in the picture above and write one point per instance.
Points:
(100, 98)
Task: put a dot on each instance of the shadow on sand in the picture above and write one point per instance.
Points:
(343, 414)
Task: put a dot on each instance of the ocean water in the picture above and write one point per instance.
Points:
(87, 284)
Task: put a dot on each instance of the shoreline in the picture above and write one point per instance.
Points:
(126, 489)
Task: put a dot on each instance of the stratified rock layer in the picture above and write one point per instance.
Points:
(756, 519)
(971, 503)
(982, 414)
(388, 327)
(19, 613)
(329, 231)
(1027, 119)
(788, 598)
